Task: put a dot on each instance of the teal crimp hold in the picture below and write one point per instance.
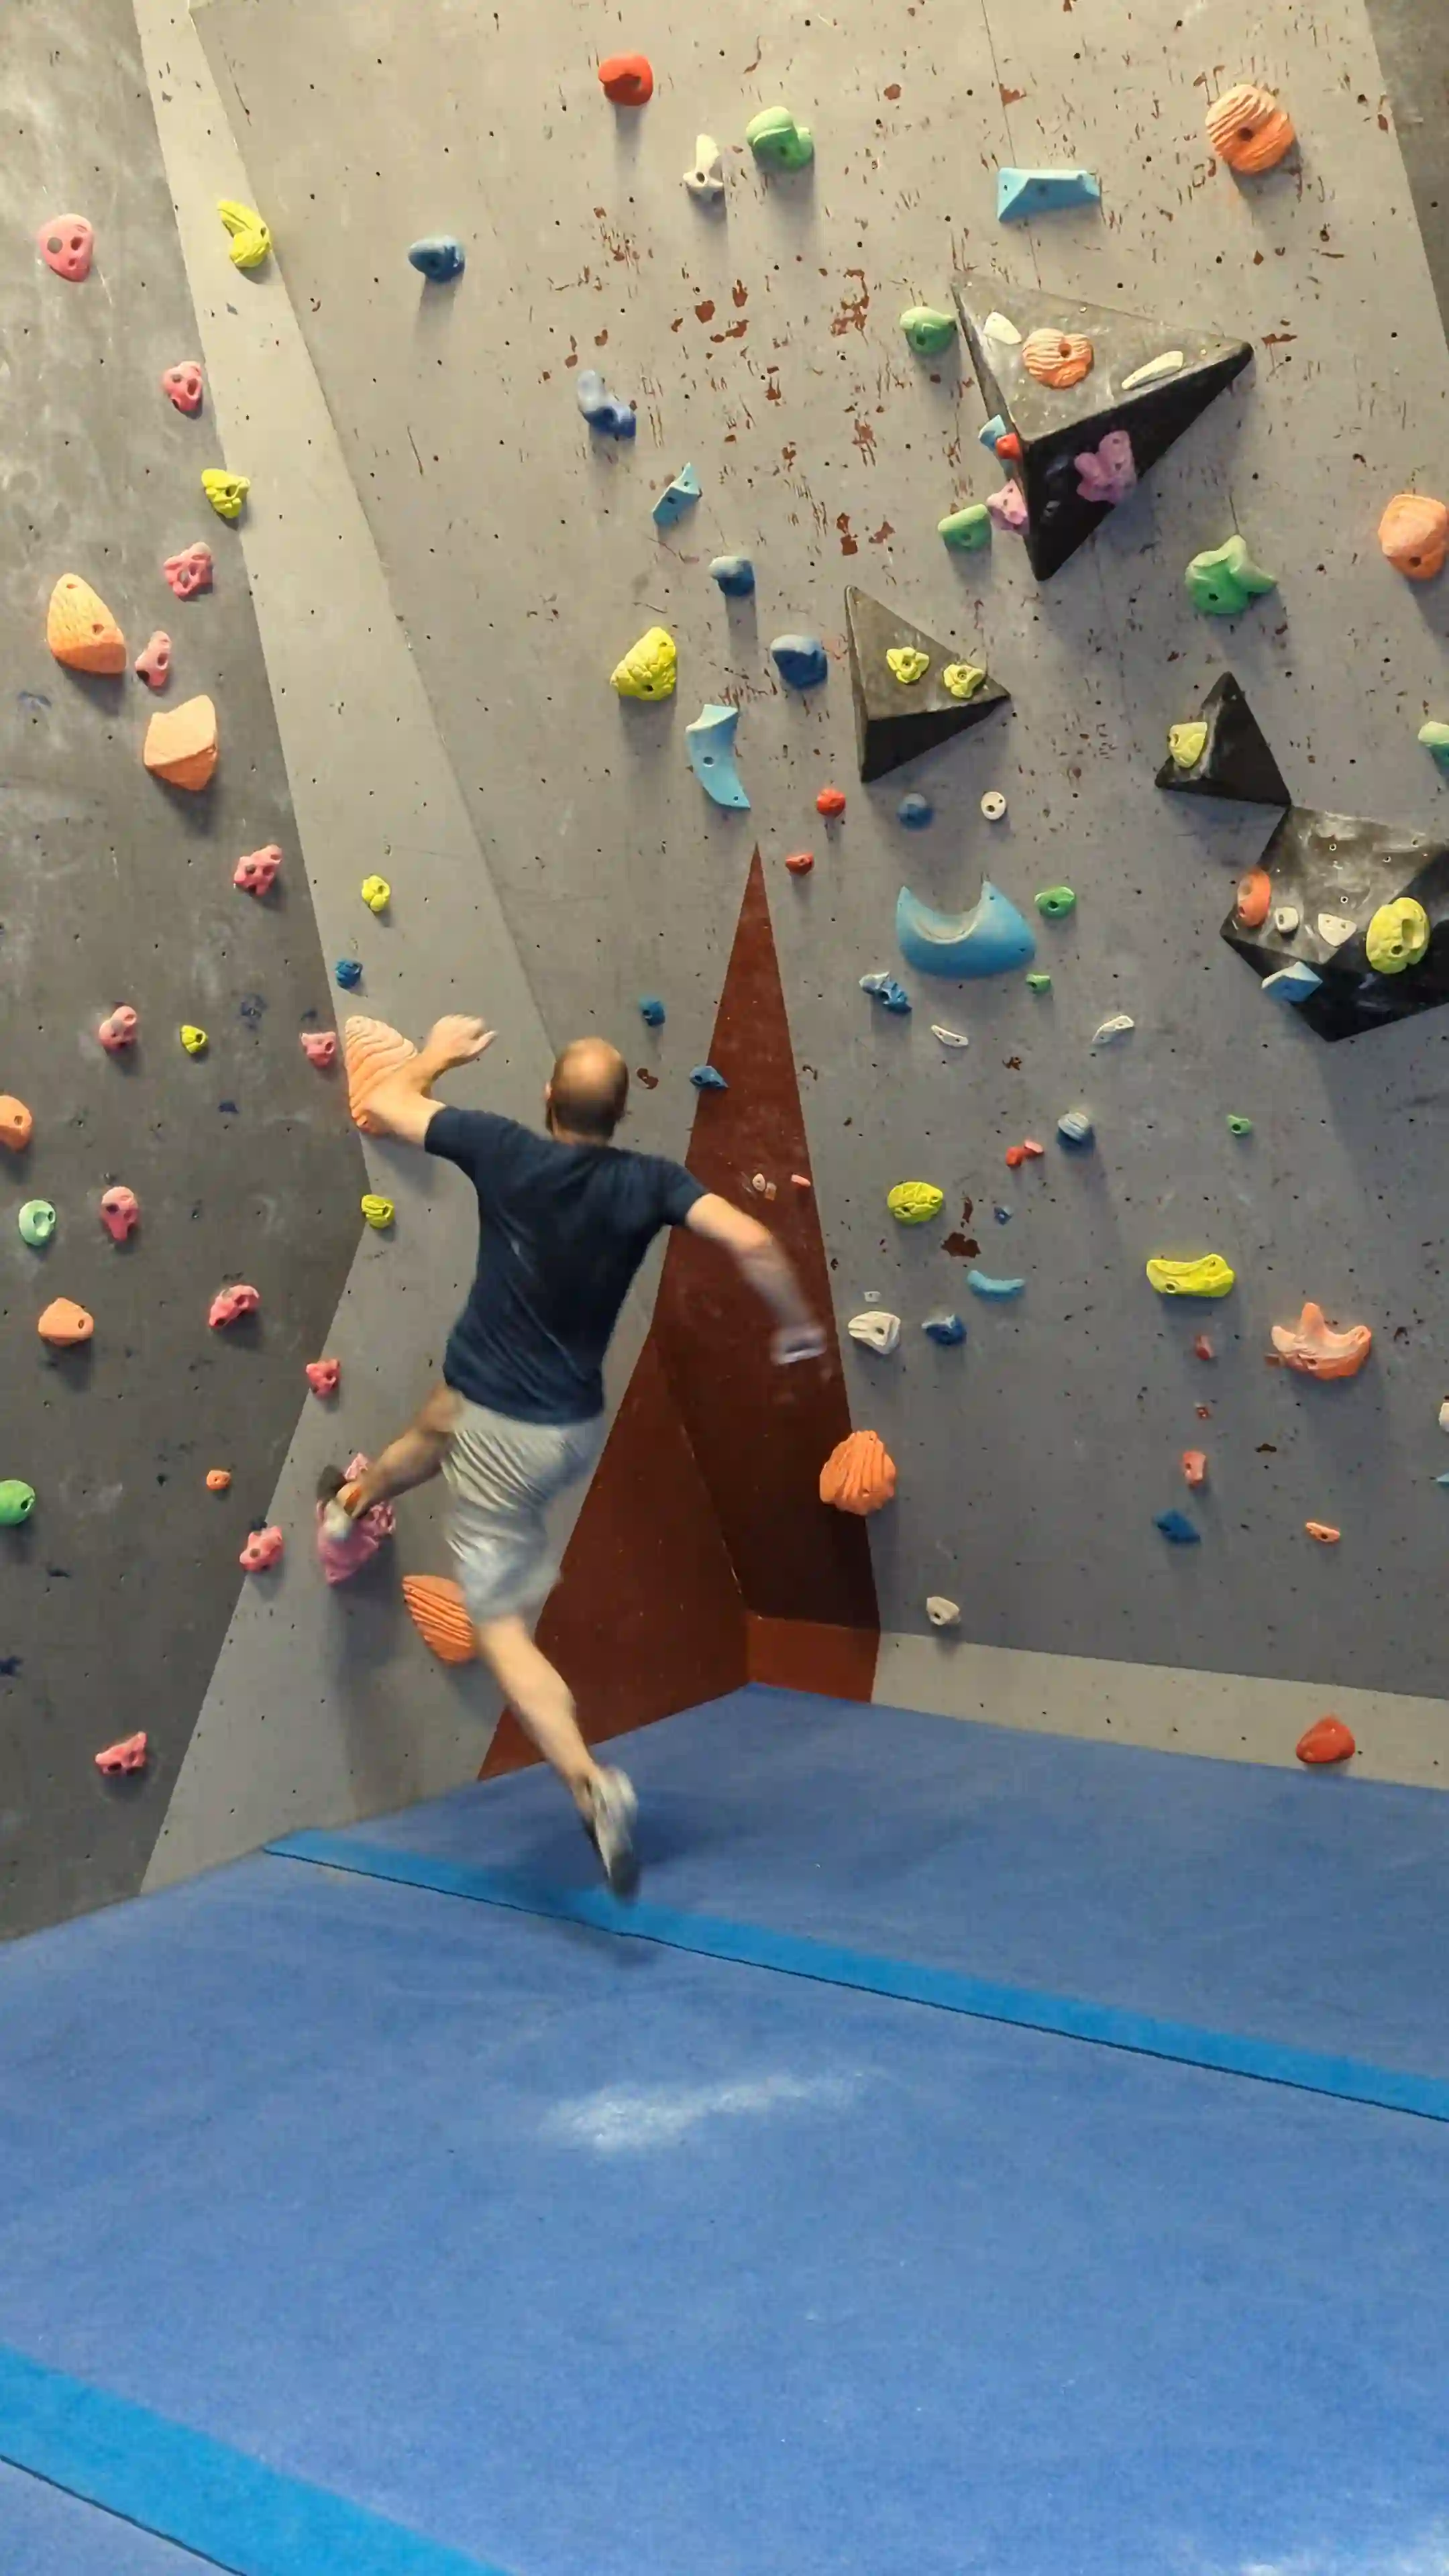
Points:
(981, 1284)
(676, 498)
(710, 742)
(1020, 194)
(438, 256)
(929, 331)
(778, 141)
(801, 660)
(1222, 582)
(884, 989)
(989, 432)
(988, 940)
(705, 1078)
(1177, 1527)
(1435, 739)
(1295, 983)
(651, 1010)
(966, 531)
(948, 1330)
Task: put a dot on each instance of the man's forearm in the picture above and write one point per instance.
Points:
(772, 1276)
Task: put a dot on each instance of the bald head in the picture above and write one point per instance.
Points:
(589, 1090)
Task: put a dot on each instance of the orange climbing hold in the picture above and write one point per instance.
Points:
(16, 1124)
(181, 744)
(859, 1475)
(436, 1609)
(831, 803)
(118, 1759)
(628, 79)
(1312, 1346)
(1327, 1740)
(64, 1324)
(1414, 535)
(1324, 1532)
(1248, 129)
(80, 629)
(1194, 1466)
(1255, 895)
(372, 1051)
(218, 1479)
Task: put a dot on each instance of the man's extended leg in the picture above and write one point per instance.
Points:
(544, 1705)
(411, 1459)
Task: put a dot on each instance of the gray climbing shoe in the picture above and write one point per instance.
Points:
(610, 1828)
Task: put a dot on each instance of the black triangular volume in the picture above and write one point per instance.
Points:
(1234, 761)
(1149, 379)
(1328, 874)
(896, 721)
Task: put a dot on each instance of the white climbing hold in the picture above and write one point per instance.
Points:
(1167, 365)
(1108, 1031)
(999, 326)
(1334, 929)
(879, 1332)
(705, 181)
(948, 1037)
(1286, 919)
(993, 805)
(941, 1612)
(1444, 1414)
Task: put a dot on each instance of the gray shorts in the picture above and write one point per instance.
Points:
(503, 1475)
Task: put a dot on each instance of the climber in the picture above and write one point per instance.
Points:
(565, 1220)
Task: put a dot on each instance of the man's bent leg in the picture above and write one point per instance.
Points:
(415, 1456)
(544, 1706)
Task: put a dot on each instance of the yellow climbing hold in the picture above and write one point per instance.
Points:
(909, 663)
(915, 1202)
(376, 893)
(1186, 743)
(1208, 1276)
(250, 239)
(1397, 936)
(226, 492)
(378, 1212)
(649, 668)
(963, 679)
(195, 1041)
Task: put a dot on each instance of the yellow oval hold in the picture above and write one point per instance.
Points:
(1186, 743)
(1208, 1276)
(376, 893)
(915, 1202)
(909, 663)
(649, 668)
(250, 239)
(226, 492)
(1397, 936)
(378, 1212)
(194, 1040)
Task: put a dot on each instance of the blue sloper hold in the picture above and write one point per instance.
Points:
(982, 1285)
(676, 498)
(710, 742)
(651, 1010)
(989, 940)
(705, 1078)
(1292, 983)
(915, 811)
(439, 257)
(348, 971)
(945, 1329)
(600, 409)
(1075, 1129)
(800, 660)
(884, 989)
(735, 575)
(989, 432)
(1020, 194)
(1177, 1527)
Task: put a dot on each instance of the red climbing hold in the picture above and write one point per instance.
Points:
(1327, 1740)
(182, 384)
(118, 1029)
(190, 571)
(319, 1046)
(65, 244)
(263, 1549)
(257, 872)
(830, 802)
(229, 1305)
(1203, 1348)
(120, 1212)
(800, 862)
(118, 1759)
(154, 665)
(627, 79)
(324, 1376)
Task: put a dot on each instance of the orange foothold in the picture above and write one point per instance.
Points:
(798, 1181)
(436, 1609)
(1194, 1466)
(1248, 129)
(263, 1549)
(1255, 896)
(65, 1325)
(1015, 1157)
(181, 745)
(372, 1051)
(80, 629)
(1414, 535)
(1032, 1149)
(800, 862)
(218, 1480)
(118, 1759)
(628, 79)
(1312, 1346)
(1202, 1348)
(16, 1124)
(1327, 1740)
(859, 1475)
(831, 803)
(1323, 1532)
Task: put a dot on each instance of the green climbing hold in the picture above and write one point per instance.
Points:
(1239, 1126)
(778, 142)
(17, 1502)
(928, 330)
(967, 531)
(1186, 743)
(1056, 902)
(37, 1221)
(1039, 983)
(1222, 582)
(1433, 735)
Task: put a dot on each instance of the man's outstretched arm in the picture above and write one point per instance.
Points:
(401, 1105)
(766, 1269)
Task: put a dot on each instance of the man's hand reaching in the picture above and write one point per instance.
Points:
(792, 1342)
(456, 1039)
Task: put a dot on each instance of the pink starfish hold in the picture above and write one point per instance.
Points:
(1107, 473)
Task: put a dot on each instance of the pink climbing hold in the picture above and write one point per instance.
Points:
(257, 872)
(190, 571)
(154, 664)
(66, 244)
(1202, 1348)
(118, 1759)
(120, 1213)
(229, 1305)
(324, 1376)
(341, 1554)
(182, 384)
(1107, 472)
(118, 1030)
(319, 1046)
(1008, 508)
(263, 1548)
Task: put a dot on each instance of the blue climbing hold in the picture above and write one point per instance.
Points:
(915, 811)
(1177, 1527)
(1002, 1215)
(800, 660)
(348, 971)
(710, 742)
(1075, 1129)
(735, 575)
(705, 1078)
(600, 409)
(988, 940)
(439, 257)
(651, 1011)
(1292, 983)
(948, 1330)
(1020, 194)
(676, 498)
(885, 990)
(982, 1285)
(989, 433)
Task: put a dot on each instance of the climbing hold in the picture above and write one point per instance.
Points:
(993, 806)
(966, 530)
(1177, 1527)
(710, 744)
(1038, 983)
(319, 1046)
(378, 1212)
(989, 432)
(1286, 919)
(66, 245)
(988, 940)
(909, 665)
(348, 973)
(250, 239)
(17, 1502)
(1435, 738)
(947, 1329)
(982, 1285)
(831, 803)
(1107, 472)
(226, 492)
(1000, 328)
(915, 1202)
(16, 1123)
(1239, 1126)
(1028, 1151)
(120, 1212)
(1324, 1532)
(651, 1011)
(800, 862)
(190, 571)
(117, 1760)
(1327, 1740)
(1170, 363)
(118, 1029)
(181, 744)
(183, 384)
(801, 660)
(324, 1376)
(929, 331)
(676, 498)
(877, 1330)
(649, 668)
(37, 1222)
(1060, 359)
(438, 257)
(948, 1037)
(941, 1612)
(1254, 897)
(627, 79)
(799, 1181)
(65, 1325)
(1107, 1032)
(894, 723)
(154, 664)
(859, 1475)
(194, 1040)
(884, 989)
(373, 1052)
(1194, 1467)
(232, 1306)
(376, 893)
(1020, 194)
(1206, 1276)
(705, 181)
(603, 410)
(1397, 936)
(80, 629)
(1414, 535)
(1248, 129)
(1056, 902)
(915, 811)
(735, 575)
(435, 1606)
(1075, 1129)
(963, 679)
(705, 1078)
(1006, 509)
(262, 1550)
(256, 873)
(218, 1480)
(778, 142)
(1295, 983)
(1202, 1347)
(1186, 743)
(1313, 1348)
(1222, 581)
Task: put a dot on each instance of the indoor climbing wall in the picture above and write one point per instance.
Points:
(759, 340)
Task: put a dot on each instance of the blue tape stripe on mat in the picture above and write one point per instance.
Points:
(793, 1955)
(208, 2498)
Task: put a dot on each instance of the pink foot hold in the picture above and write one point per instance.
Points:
(342, 1557)
(190, 571)
(118, 1030)
(324, 1376)
(1008, 508)
(263, 1549)
(1107, 472)
(319, 1046)
(154, 665)
(229, 1305)
(257, 873)
(66, 244)
(182, 384)
(118, 1759)
(120, 1213)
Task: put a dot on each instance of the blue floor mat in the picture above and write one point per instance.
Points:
(596, 2259)
(46, 2533)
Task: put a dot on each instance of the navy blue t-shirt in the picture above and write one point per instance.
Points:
(562, 1230)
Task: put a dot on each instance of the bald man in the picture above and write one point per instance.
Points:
(564, 1221)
